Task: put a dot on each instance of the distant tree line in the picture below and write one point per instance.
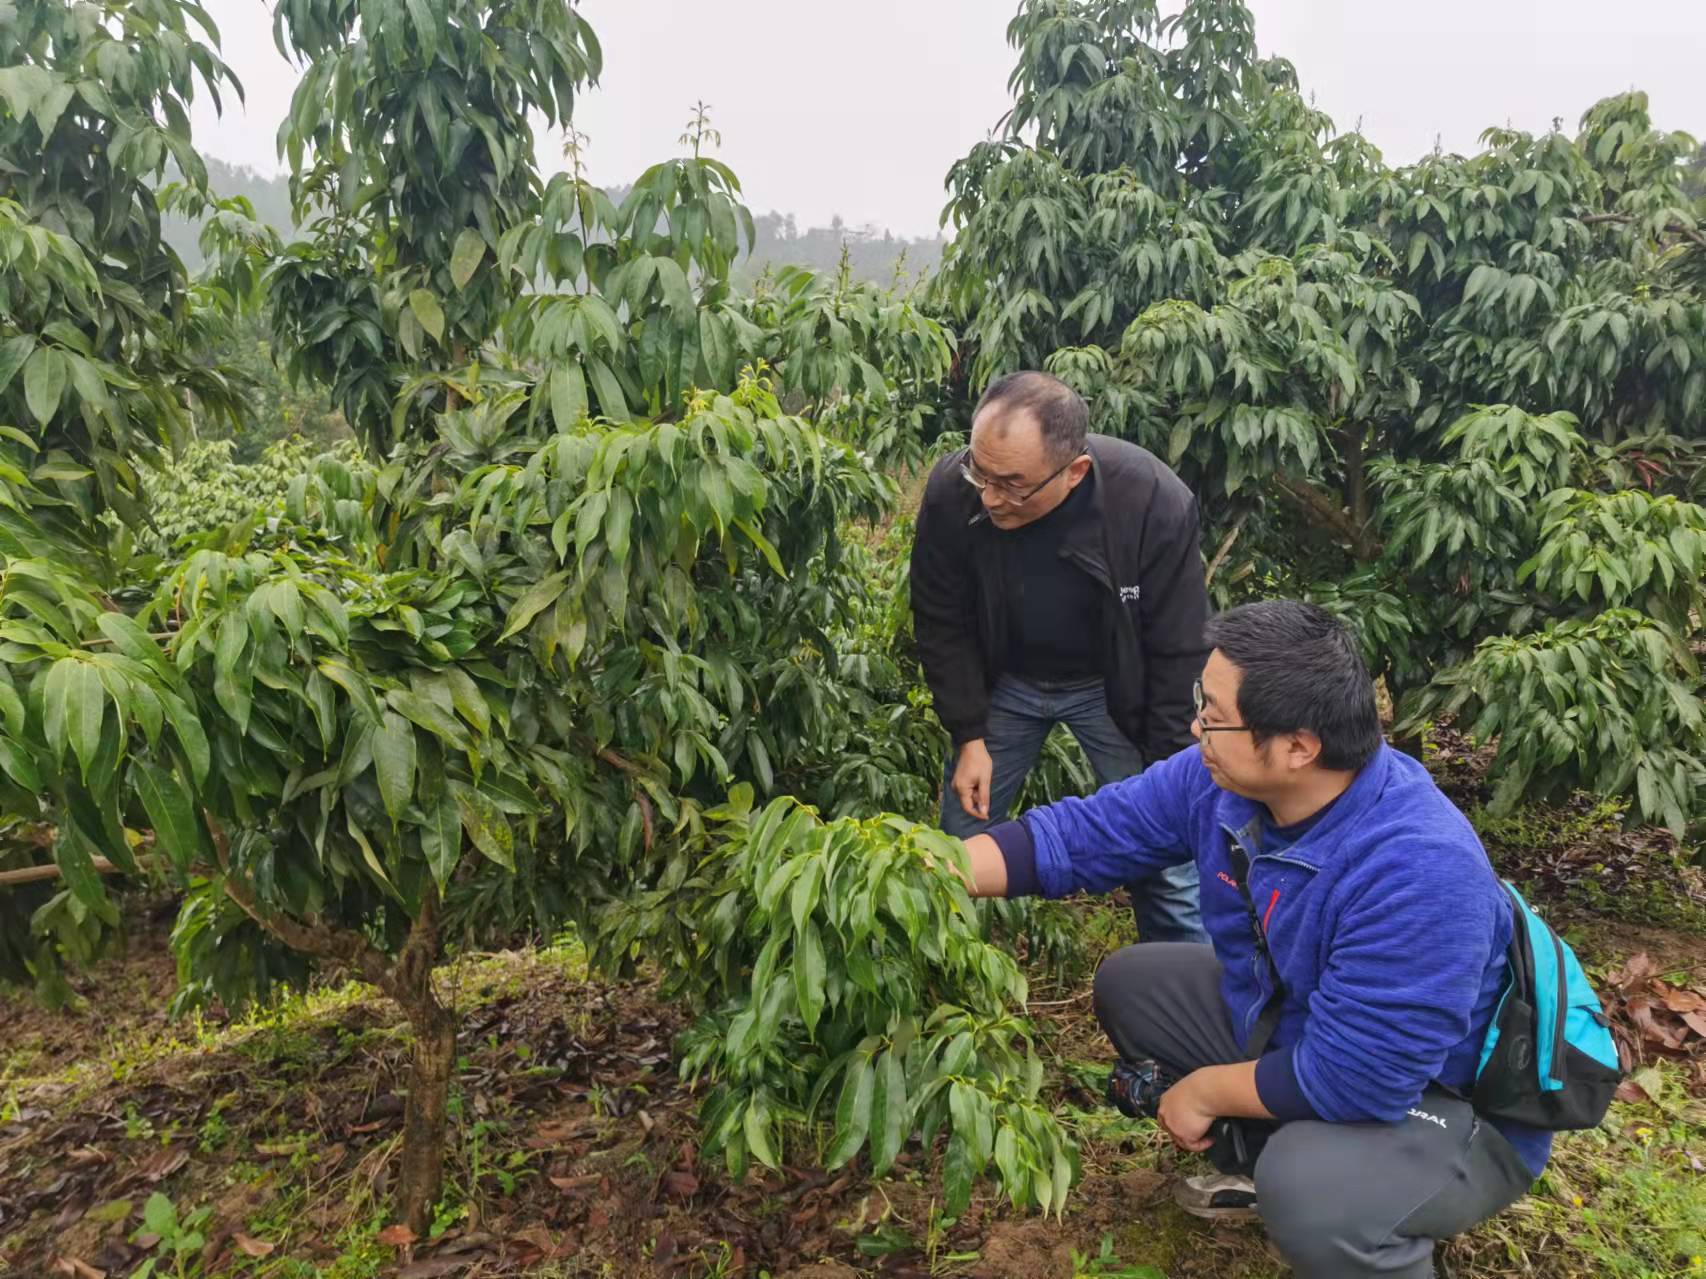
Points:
(874, 253)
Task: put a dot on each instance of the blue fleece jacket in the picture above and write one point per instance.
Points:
(1387, 923)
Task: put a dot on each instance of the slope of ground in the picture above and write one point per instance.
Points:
(265, 1146)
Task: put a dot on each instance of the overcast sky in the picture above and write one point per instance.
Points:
(834, 107)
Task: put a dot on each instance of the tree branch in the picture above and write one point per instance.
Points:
(320, 940)
(34, 874)
(1225, 547)
(1626, 219)
(1329, 513)
(623, 764)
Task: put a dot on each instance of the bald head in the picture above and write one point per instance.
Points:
(1033, 400)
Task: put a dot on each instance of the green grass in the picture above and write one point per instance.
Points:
(1622, 1202)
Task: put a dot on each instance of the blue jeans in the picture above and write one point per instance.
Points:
(1021, 714)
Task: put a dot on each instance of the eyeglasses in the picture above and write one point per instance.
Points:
(1196, 695)
(1005, 493)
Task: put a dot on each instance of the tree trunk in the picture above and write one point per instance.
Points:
(407, 982)
(1356, 477)
(425, 1116)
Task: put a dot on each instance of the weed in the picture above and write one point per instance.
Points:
(137, 1127)
(176, 1238)
(215, 1131)
(1107, 1265)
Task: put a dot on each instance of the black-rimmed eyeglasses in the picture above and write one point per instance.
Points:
(1196, 696)
(978, 482)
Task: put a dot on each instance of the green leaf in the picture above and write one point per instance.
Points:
(540, 596)
(763, 544)
(171, 811)
(957, 1175)
(893, 1113)
(465, 258)
(486, 826)
(810, 974)
(441, 837)
(394, 763)
(129, 638)
(13, 352)
(756, 1125)
(427, 310)
(568, 395)
(612, 403)
(466, 697)
(76, 862)
(17, 763)
(44, 383)
(74, 704)
(285, 601)
(192, 737)
(853, 1112)
(232, 677)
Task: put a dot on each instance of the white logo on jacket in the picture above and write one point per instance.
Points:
(1130, 594)
(1422, 1114)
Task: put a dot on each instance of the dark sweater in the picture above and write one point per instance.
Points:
(1057, 616)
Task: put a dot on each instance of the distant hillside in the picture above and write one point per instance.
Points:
(872, 252)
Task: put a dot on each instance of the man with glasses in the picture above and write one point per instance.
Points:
(1057, 579)
(1321, 1049)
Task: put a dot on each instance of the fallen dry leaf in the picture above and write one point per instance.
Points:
(165, 1163)
(572, 1185)
(1679, 999)
(1640, 1011)
(1629, 1090)
(250, 1247)
(87, 1157)
(556, 1134)
(433, 1267)
(397, 1236)
(77, 1268)
(680, 1185)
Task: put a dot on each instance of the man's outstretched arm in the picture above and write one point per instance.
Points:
(988, 867)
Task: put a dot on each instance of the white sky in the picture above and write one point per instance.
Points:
(859, 108)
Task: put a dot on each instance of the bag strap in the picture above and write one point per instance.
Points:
(1267, 1021)
(1526, 975)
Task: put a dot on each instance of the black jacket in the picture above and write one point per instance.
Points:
(1139, 540)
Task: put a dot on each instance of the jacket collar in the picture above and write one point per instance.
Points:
(1242, 818)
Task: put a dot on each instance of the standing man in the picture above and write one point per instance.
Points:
(1056, 579)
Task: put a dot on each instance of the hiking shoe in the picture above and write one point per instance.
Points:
(1218, 1197)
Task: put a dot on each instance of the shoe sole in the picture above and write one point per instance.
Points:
(1219, 1214)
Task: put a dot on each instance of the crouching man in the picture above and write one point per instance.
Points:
(1320, 1049)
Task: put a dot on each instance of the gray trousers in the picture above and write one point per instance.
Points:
(1339, 1200)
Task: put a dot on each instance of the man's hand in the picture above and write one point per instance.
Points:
(1186, 1113)
(1190, 1107)
(973, 774)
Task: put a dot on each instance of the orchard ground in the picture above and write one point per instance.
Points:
(272, 1136)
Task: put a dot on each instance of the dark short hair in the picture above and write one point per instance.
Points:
(1061, 412)
(1301, 671)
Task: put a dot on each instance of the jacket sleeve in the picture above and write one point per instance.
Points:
(944, 615)
(1125, 829)
(1403, 974)
(1174, 650)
